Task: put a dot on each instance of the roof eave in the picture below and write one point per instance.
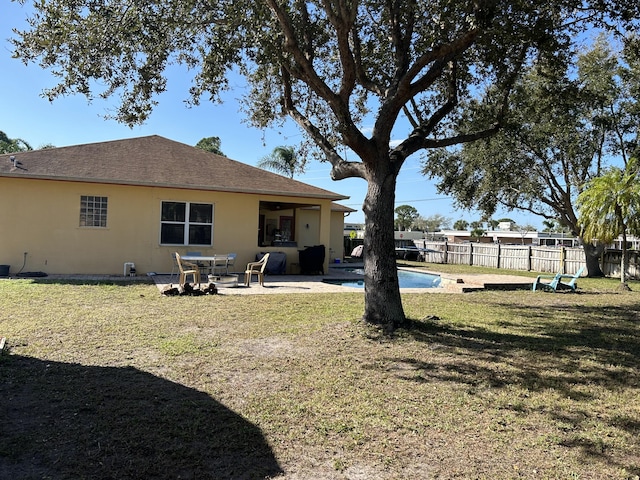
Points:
(252, 191)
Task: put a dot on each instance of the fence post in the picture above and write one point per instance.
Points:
(446, 252)
(529, 254)
(563, 258)
(470, 253)
(498, 260)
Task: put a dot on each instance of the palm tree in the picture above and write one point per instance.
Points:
(609, 206)
(461, 225)
(283, 160)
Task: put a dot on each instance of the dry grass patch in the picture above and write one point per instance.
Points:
(491, 385)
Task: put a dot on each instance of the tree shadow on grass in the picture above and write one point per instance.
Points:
(568, 349)
(607, 337)
(70, 421)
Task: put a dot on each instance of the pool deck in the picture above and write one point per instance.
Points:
(463, 283)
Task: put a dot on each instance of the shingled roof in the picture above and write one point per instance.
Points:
(153, 161)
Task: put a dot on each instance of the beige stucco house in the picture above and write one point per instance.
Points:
(88, 209)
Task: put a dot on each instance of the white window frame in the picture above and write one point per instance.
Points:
(187, 223)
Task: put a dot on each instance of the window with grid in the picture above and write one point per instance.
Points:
(93, 211)
(186, 223)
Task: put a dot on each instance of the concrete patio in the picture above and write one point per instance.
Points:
(316, 283)
(462, 283)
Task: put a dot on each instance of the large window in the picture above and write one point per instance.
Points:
(185, 223)
(93, 211)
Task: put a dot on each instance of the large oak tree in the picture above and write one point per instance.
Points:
(348, 72)
(563, 126)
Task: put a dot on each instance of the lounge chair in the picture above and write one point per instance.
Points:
(256, 268)
(556, 282)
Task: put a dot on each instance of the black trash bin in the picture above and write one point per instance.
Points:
(312, 260)
(4, 270)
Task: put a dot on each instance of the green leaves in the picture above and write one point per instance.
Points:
(283, 160)
(12, 145)
(102, 49)
(210, 144)
(610, 204)
(561, 126)
(405, 216)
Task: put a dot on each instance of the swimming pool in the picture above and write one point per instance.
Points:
(406, 279)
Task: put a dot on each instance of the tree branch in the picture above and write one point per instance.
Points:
(305, 71)
(341, 169)
(301, 59)
(361, 74)
(343, 23)
(457, 139)
(439, 57)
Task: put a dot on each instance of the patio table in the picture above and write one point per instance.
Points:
(217, 263)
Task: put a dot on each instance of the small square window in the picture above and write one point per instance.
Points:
(93, 211)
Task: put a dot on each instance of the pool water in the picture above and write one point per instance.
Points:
(406, 279)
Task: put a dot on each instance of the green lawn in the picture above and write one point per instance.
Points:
(117, 381)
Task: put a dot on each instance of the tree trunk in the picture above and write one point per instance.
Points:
(382, 301)
(592, 258)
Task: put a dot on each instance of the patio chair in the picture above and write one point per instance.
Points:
(204, 267)
(175, 269)
(220, 266)
(187, 268)
(231, 260)
(256, 268)
(556, 282)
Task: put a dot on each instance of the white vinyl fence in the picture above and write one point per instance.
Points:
(524, 257)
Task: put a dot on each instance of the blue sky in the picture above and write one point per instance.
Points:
(25, 114)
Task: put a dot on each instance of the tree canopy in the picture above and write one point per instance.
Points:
(405, 216)
(561, 129)
(210, 144)
(460, 225)
(346, 71)
(12, 145)
(432, 223)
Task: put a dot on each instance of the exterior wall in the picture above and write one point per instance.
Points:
(337, 236)
(41, 217)
(309, 233)
(308, 228)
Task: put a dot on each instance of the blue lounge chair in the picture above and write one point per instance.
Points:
(556, 281)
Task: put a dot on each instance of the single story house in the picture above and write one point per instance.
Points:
(88, 209)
